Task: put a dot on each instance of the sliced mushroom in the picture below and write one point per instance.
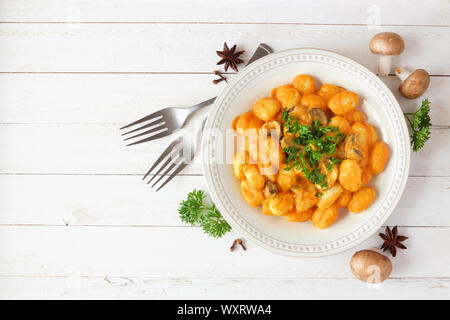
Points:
(270, 189)
(414, 84)
(299, 185)
(317, 114)
(340, 152)
(272, 129)
(352, 149)
(386, 45)
(300, 113)
(331, 175)
(287, 141)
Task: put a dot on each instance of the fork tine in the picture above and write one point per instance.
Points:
(177, 170)
(162, 156)
(156, 136)
(146, 118)
(164, 165)
(153, 123)
(158, 128)
(174, 163)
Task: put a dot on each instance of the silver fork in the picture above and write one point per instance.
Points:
(177, 155)
(166, 121)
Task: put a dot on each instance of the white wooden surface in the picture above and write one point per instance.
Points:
(76, 221)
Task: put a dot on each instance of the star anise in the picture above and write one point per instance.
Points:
(392, 241)
(229, 57)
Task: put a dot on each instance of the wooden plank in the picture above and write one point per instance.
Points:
(174, 252)
(126, 200)
(99, 149)
(155, 288)
(191, 47)
(319, 11)
(121, 98)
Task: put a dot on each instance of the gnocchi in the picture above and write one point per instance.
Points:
(266, 108)
(343, 102)
(314, 101)
(378, 157)
(308, 153)
(350, 175)
(253, 197)
(361, 200)
(254, 178)
(304, 83)
(299, 216)
(323, 218)
(287, 95)
(327, 91)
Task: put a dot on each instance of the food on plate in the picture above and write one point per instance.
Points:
(343, 102)
(323, 218)
(378, 157)
(308, 153)
(361, 199)
(304, 83)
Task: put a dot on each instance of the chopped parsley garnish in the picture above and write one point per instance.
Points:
(312, 143)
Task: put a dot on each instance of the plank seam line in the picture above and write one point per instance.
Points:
(5, 225)
(226, 23)
(436, 127)
(141, 174)
(149, 72)
(175, 279)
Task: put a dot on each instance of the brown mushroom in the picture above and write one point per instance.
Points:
(272, 129)
(317, 114)
(287, 141)
(414, 84)
(299, 185)
(352, 149)
(370, 266)
(270, 189)
(386, 45)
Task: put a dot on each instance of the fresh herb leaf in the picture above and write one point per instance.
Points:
(284, 114)
(195, 212)
(332, 163)
(420, 123)
(314, 143)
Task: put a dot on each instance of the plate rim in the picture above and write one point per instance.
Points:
(401, 125)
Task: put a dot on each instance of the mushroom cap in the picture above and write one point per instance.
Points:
(415, 85)
(370, 266)
(387, 43)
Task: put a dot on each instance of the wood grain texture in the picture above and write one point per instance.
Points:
(77, 222)
(191, 47)
(232, 288)
(185, 252)
(122, 98)
(292, 11)
(99, 149)
(126, 200)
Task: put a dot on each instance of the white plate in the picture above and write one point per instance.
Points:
(256, 81)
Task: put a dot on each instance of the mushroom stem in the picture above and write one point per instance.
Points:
(384, 65)
(402, 73)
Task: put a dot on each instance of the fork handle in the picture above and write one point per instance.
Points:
(203, 104)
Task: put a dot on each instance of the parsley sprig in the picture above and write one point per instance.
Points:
(420, 123)
(311, 145)
(195, 212)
